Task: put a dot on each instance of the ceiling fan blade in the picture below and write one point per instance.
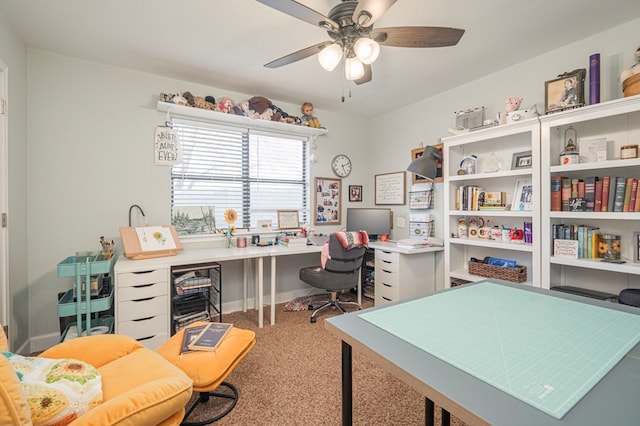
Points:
(299, 55)
(366, 77)
(417, 36)
(300, 11)
(368, 11)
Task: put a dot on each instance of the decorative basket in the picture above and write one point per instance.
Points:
(631, 86)
(516, 275)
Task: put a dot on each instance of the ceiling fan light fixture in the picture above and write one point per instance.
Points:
(330, 56)
(353, 68)
(367, 50)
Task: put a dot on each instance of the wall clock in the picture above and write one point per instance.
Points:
(341, 165)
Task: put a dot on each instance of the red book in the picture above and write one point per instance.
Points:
(633, 196)
(556, 193)
(636, 208)
(597, 207)
(627, 194)
(606, 183)
(581, 189)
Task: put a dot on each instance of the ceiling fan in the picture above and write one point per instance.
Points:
(350, 26)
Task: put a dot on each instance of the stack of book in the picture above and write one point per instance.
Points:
(293, 241)
(472, 197)
(576, 241)
(595, 194)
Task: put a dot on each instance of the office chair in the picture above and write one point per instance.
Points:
(341, 272)
(630, 296)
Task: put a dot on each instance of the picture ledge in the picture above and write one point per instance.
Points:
(237, 120)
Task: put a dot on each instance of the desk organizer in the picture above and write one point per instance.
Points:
(516, 275)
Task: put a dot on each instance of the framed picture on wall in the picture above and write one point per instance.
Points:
(327, 201)
(355, 192)
(416, 153)
(390, 188)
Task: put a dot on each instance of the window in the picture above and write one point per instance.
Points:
(256, 173)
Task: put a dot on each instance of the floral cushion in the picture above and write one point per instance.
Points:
(57, 391)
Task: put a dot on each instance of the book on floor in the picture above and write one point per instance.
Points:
(210, 336)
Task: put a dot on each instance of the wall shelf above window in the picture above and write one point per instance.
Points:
(238, 120)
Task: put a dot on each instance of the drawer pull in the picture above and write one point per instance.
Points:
(142, 272)
(385, 261)
(144, 285)
(143, 319)
(145, 338)
(143, 300)
(386, 285)
(386, 298)
(387, 252)
(388, 272)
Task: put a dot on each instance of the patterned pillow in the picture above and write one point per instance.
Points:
(58, 391)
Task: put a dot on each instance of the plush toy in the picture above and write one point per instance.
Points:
(178, 99)
(307, 116)
(225, 105)
(263, 107)
(512, 104)
(635, 69)
(190, 98)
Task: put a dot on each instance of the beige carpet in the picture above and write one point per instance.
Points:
(292, 376)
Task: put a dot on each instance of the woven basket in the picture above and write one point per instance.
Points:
(631, 86)
(516, 275)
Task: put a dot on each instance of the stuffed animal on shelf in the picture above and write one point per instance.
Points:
(307, 116)
(263, 107)
(512, 104)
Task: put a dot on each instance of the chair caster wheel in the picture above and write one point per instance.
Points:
(313, 320)
(310, 307)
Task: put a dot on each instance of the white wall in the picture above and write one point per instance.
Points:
(428, 120)
(13, 55)
(90, 156)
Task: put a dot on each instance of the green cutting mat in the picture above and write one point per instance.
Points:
(544, 350)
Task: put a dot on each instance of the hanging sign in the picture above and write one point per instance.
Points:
(167, 146)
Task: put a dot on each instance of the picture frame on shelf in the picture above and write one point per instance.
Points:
(288, 219)
(636, 247)
(521, 160)
(327, 201)
(355, 192)
(522, 195)
(565, 92)
(390, 188)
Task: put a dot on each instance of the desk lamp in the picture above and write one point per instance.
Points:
(426, 165)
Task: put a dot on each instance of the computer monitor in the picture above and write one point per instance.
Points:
(375, 221)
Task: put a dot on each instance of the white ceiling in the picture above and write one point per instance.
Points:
(226, 43)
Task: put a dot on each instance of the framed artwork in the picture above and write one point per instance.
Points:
(636, 247)
(417, 152)
(565, 92)
(390, 188)
(521, 160)
(327, 201)
(522, 195)
(355, 192)
(288, 219)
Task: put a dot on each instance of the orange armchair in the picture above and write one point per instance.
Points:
(139, 386)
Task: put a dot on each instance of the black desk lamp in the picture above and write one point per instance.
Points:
(426, 165)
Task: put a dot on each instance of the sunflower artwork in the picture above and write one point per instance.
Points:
(230, 216)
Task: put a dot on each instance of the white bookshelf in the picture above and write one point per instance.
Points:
(489, 144)
(619, 122)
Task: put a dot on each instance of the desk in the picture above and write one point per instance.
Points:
(153, 277)
(613, 400)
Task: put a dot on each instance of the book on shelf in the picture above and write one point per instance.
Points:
(605, 193)
(618, 200)
(565, 193)
(633, 195)
(556, 196)
(597, 205)
(184, 277)
(636, 207)
(210, 337)
(590, 192)
(190, 333)
(627, 194)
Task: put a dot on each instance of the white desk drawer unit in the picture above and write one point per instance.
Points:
(142, 306)
(399, 276)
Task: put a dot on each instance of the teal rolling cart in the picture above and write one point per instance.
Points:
(82, 303)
